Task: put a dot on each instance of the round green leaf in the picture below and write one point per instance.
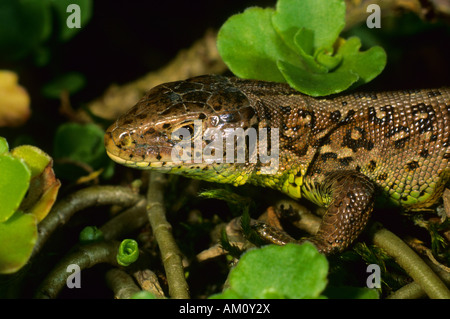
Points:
(367, 64)
(76, 146)
(18, 236)
(71, 82)
(36, 159)
(317, 84)
(250, 46)
(23, 25)
(356, 68)
(14, 181)
(90, 234)
(303, 41)
(325, 17)
(291, 271)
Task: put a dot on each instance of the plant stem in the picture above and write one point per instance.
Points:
(170, 253)
(121, 284)
(411, 263)
(84, 257)
(91, 196)
(126, 222)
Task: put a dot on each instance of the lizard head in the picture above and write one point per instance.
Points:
(187, 127)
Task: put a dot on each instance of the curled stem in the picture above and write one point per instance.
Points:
(91, 196)
(170, 253)
(128, 252)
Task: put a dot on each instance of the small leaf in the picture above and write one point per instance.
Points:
(317, 84)
(14, 182)
(42, 194)
(18, 236)
(23, 25)
(4, 147)
(79, 150)
(90, 234)
(44, 185)
(355, 69)
(257, 45)
(304, 41)
(330, 62)
(71, 82)
(291, 271)
(325, 17)
(367, 64)
(36, 159)
(309, 63)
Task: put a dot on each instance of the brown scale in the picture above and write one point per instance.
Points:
(349, 147)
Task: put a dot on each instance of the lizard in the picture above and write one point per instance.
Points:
(341, 152)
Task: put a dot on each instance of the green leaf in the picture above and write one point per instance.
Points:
(317, 84)
(90, 234)
(256, 45)
(78, 147)
(325, 17)
(43, 187)
(367, 64)
(303, 40)
(71, 82)
(298, 43)
(23, 25)
(4, 147)
(355, 69)
(14, 182)
(18, 236)
(291, 271)
(36, 159)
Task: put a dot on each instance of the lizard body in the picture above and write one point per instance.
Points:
(339, 152)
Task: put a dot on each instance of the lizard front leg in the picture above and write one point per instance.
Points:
(351, 197)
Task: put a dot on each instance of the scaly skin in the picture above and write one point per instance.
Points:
(339, 152)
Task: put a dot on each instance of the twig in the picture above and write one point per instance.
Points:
(170, 253)
(126, 222)
(148, 280)
(411, 263)
(91, 196)
(84, 257)
(121, 283)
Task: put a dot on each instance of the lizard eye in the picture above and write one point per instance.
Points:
(185, 131)
(125, 140)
